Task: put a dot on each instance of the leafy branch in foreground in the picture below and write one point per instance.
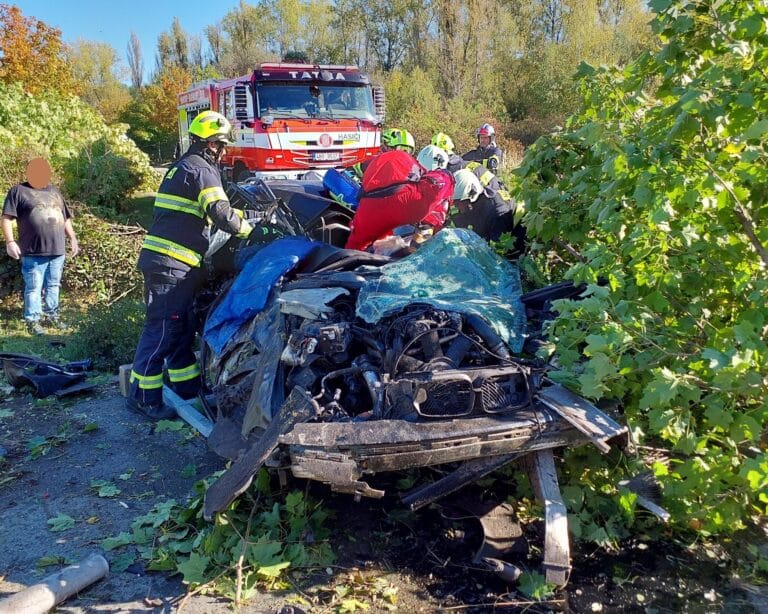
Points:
(249, 547)
(659, 183)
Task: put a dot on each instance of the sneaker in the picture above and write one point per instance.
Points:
(34, 328)
(55, 322)
(153, 412)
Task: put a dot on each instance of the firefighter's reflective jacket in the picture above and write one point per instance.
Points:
(490, 157)
(495, 212)
(189, 195)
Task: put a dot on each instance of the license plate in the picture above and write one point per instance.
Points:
(326, 156)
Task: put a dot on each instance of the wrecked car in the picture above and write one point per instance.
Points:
(335, 365)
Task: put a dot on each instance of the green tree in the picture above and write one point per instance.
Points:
(659, 184)
(95, 67)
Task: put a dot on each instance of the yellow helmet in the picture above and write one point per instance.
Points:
(398, 139)
(444, 142)
(211, 126)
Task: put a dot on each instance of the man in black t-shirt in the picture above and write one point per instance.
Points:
(44, 221)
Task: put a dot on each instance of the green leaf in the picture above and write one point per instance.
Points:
(6, 413)
(193, 568)
(48, 561)
(90, 427)
(118, 541)
(757, 130)
(535, 586)
(168, 425)
(660, 390)
(62, 522)
(104, 488)
(274, 570)
(352, 605)
(122, 562)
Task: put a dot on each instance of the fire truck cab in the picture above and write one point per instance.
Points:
(289, 119)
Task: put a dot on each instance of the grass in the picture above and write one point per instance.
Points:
(15, 339)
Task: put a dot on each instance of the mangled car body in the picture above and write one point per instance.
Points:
(336, 364)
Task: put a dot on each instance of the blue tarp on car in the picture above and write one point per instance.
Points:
(249, 293)
(455, 271)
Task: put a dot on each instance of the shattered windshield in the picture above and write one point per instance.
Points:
(330, 101)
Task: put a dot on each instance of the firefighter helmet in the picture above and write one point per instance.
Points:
(398, 139)
(444, 142)
(432, 157)
(211, 126)
(486, 130)
(468, 186)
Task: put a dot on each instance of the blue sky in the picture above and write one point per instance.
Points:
(111, 21)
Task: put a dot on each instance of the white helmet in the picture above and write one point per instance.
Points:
(432, 157)
(468, 186)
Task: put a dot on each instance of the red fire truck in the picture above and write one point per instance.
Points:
(291, 118)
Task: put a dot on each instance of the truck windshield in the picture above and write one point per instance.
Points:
(314, 100)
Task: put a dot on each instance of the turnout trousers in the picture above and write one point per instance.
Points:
(169, 330)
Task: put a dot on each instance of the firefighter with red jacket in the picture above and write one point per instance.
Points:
(397, 191)
(487, 152)
(170, 260)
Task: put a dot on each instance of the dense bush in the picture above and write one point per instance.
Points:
(62, 128)
(104, 172)
(106, 264)
(459, 116)
(107, 334)
(660, 185)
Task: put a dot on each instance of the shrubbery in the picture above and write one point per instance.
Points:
(107, 334)
(95, 163)
(660, 184)
(106, 264)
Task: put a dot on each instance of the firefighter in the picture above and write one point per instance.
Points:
(397, 191)
(489, 213)
(487, 153)
(170, 260)
(444, 142)
(391, 139)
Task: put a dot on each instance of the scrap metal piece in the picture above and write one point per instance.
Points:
(45, 378)
(337, 470)
(502, 535)
(187, 412)
(596, 425)
(298, 407)
(648, 491)
(470, 471)
(557, 561)
(391, 445)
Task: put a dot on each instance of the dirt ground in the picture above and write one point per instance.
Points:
(94, 438)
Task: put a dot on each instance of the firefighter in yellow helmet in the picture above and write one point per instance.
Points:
(190, 194)
(445, 142)
(391, 139)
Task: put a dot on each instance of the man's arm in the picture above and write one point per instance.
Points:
(11, 247)
(74, 246)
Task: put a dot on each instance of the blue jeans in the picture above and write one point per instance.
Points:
(42, 275)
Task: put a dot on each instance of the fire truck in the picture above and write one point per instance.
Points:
(289, 119)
